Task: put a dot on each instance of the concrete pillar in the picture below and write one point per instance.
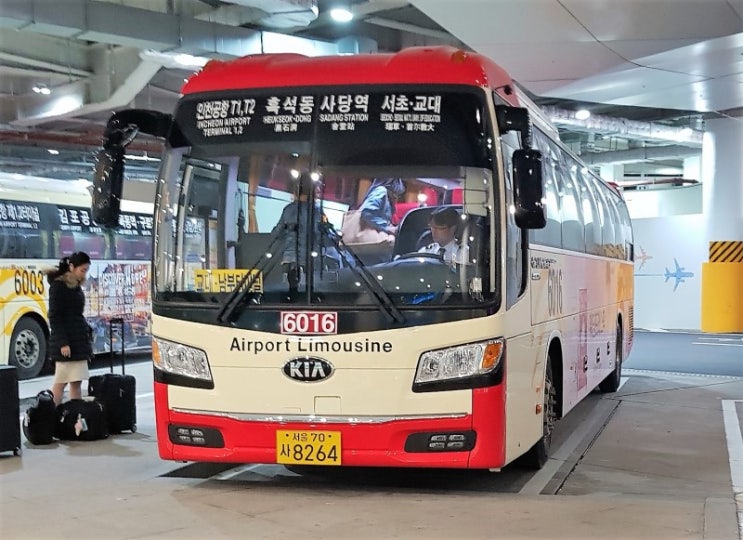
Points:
(693, 168)
(722, 188)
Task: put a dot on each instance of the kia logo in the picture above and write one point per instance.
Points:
(308, 369)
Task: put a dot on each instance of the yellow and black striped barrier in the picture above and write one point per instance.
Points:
(722, 287)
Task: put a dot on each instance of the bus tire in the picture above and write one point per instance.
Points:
(28, 348)
(614, 379)
(538, 454)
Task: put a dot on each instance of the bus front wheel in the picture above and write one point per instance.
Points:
(28, 348)
(538, 454)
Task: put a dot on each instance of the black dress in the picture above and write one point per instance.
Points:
(68, 325)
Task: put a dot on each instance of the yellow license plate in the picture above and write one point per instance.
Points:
(295, 447)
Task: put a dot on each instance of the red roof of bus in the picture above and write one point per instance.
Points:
(429, 65)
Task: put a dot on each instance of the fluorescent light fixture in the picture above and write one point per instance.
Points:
(187, 60)
(65, 104)
(145, 157)
(341, 15)
(174, 61)
(53, 152)
(582, 114)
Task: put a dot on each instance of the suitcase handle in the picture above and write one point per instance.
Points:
(116, 321)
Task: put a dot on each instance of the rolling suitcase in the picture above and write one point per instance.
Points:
(40, 419)
(81, 420)
(116, 392)
(10, 426)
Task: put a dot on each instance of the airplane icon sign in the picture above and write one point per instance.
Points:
(677, 274)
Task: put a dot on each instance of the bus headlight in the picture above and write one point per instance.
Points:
(180, 359)
(474, 365)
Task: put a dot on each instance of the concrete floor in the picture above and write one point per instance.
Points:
(651, 461)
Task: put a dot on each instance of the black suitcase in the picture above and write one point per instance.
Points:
(40, 419)
(118, 393)
(81, 420)
(10, 425)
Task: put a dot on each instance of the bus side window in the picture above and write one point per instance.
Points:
(551, 235)
(33, 247)
(9, 242)
(65, 245)
(591, 216)
(573, 233)
(607, 221)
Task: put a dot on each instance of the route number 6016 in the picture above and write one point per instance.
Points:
(309, 322)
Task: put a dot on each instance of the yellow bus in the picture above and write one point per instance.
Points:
(290, 327)
(43, 220)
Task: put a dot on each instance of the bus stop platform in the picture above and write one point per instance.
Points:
(660, 459)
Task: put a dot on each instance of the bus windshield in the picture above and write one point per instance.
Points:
(321, 198)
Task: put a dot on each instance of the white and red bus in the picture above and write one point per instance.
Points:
(383, 355)
(43, 220)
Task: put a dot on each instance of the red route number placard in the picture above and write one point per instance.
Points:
(309, 322)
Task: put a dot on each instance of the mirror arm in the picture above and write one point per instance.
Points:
(123, 126)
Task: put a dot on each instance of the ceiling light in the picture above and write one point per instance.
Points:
(144, 157)
(341, 15)
(582, 114)
(42, 89)
(53, 152)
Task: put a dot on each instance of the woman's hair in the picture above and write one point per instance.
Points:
(78, 258)
(395, 185)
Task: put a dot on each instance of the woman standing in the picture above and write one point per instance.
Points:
(378, 205)
(69, 342)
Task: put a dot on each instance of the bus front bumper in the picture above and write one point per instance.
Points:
(475, 440)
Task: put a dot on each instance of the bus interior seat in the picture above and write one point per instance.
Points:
(454, 196)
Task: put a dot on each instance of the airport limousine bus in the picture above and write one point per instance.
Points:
(43, 220)
(279, 337)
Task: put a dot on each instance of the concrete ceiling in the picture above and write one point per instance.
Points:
(670, 62)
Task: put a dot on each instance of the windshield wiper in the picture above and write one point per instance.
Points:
(242, 290)
(380, 296)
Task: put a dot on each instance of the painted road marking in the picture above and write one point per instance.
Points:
(735, 453)
(718, 344)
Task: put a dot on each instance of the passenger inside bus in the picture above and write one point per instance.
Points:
(378, 205)
(291, 228)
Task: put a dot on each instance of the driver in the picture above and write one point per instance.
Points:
(443, 224)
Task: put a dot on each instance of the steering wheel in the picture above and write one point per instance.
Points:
(416, 254)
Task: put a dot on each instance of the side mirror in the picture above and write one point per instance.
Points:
(108, 177)
(528, 190)
(108, 184)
